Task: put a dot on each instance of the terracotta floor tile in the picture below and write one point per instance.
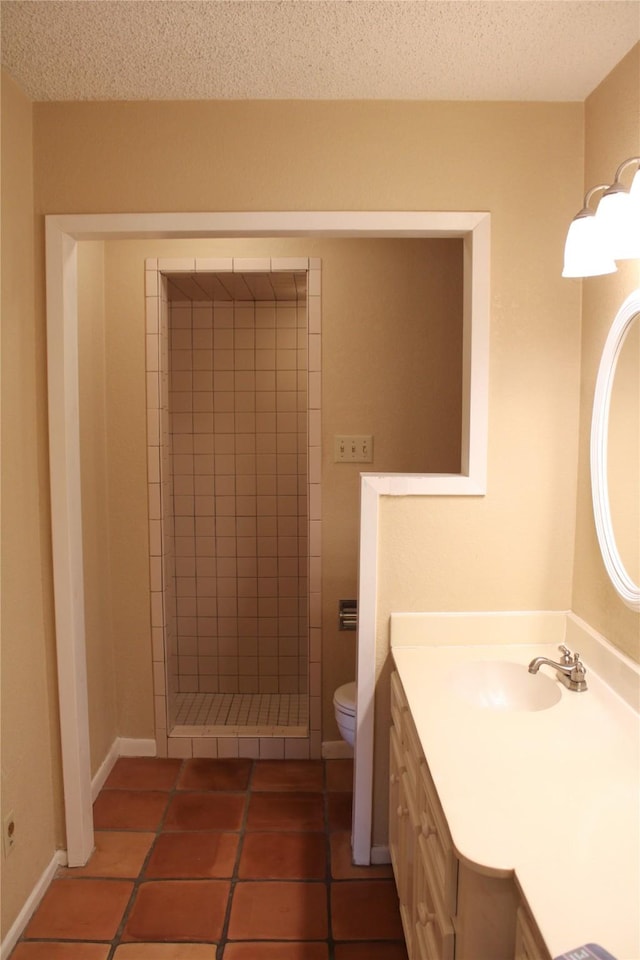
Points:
(285, 811)
(203, 774)
(339, 807)
(365, 910)
(299, 775)
(129, 809)
(370, 951)
(278, 911)
(340, 775)
(205, 811)
(178, 910)
(302, 950)
(283, 856)
(343, 869)
(61, 951)
(116, 855)
(80, 910)
(144, 773)
(166, 951)
(278, 907)
(193, 856)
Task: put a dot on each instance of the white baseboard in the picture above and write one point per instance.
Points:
(59, 859)
(380, 854)
(121, 747)
(136, 748)
(104, 770)
(336, 750)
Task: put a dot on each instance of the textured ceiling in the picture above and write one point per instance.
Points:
(312, 49)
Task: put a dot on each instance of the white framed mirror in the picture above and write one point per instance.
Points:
(615, 454)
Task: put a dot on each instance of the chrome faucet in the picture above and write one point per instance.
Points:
(570, 671)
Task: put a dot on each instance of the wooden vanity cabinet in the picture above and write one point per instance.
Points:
(529, 945)
(451, 910)
(421, 852)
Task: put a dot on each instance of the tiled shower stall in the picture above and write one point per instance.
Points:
(233, 407)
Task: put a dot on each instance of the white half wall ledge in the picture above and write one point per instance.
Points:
(63, 231)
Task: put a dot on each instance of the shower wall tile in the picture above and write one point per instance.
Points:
(214, 264)
(286, 264)
(230, 498)
(181, 264)
(252, 264)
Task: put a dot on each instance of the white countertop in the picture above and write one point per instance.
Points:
(551, 795)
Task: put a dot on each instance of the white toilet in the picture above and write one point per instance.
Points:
(344, 704)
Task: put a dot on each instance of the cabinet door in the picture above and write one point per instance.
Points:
(408, 829)
(396, 769)
(434, 934)
(434, 830)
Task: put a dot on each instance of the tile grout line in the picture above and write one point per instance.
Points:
(139, 880)
(219, 945)
(222, 944)
(328, 873)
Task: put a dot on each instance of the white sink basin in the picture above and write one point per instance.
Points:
(501, 685)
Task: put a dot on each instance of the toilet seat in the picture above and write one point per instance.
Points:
(344, 698)
(344, 706)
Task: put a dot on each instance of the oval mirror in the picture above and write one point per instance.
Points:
(615, 452)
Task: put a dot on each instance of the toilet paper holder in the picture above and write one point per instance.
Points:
(347, 614)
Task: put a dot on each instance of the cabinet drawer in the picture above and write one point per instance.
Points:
(396, 769)
(399, 704)
(434, 930)
(412, 749)
(407, 852)
(397, 764)
(437, 840)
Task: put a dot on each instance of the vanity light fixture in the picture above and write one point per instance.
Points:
(598, 237)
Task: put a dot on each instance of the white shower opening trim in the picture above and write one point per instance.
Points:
(62, 232)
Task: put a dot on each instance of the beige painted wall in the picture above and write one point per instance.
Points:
(514, 548)
(391, 367)
(612, 133)
(103, 727)
(30, 753)
(523, 162)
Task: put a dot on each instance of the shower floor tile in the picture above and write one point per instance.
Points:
(261, 711)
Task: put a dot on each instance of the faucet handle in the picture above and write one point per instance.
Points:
(567, 656)
(578, 671)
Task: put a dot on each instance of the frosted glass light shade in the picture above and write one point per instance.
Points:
(625, 244)
(618, 215)
(585, 254)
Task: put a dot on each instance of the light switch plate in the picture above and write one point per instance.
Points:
(353, 448)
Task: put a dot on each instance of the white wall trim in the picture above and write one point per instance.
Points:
(14, 933)
(62, 232)
(472, 481)
(66, 523)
